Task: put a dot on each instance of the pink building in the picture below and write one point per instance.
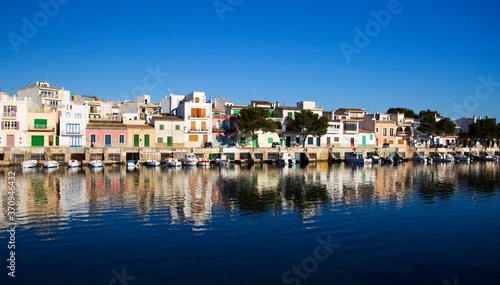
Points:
(102, 133)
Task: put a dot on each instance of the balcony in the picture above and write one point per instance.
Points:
(222, 130)
(198, 130)
(9, 115)
(40, 128)
(403, 134)
(71, 133)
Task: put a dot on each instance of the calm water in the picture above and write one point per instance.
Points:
(319, 224)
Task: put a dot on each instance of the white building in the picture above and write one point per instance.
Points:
(43, 96)
(14, 121)
(73, 122)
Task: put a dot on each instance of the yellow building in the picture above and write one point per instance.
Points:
(42, 128)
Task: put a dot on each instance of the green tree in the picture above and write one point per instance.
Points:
(428, 123)
(253, 119)
(486, 129)
(407, 112)
(308, 123)
(445, 127)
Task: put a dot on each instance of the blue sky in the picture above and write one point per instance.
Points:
(428, 55)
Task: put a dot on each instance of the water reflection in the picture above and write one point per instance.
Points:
(47, 200)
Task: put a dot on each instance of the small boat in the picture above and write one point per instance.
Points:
(132, 164)
(486, 157)
(285, 159)
(74, 163)
(443, 158)
(204, 162)
(173, 162)
(152, 162)
(357, 158)
(29, 163)
(461, 158)
(51, 164)
(421, 159)
(190, 159)
(222, 161)
(96, 163)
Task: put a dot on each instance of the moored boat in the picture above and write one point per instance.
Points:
(74, 163)
(152, 162)
(446, 158)
(29, 163)
(132, 164)
(173, 162)
(285, 159)
(51, 164)
(97, 163)
(190, 159)
(222, 161)
(204, 162)
(357, 158)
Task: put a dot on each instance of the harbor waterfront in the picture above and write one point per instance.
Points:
(120, 155)
(319, 223)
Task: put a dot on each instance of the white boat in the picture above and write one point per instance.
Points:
(96, 163)
(190, 159)
(357, 158)
(51, 164)
(74, 163)
(421, 159)
(132, 164)
(443, 158)
(222, 161)
(461, 158)
(29, 163)
(152, 162)
(173, 162)
(285, 159)
(204, 162)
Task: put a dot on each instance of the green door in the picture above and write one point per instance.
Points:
(254, 142)
(136, 140)
(37, 141)
(363, 141)
(146, 140)
(170, 141)
(57, 140)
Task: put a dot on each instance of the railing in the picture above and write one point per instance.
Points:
(403, 134)
(9, 115)
(71, 133)
(221, 130)
(40, 127)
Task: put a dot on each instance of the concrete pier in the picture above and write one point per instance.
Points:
(119, 155)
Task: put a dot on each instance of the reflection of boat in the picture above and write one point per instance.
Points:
(443, 158)
(173, 162)
(96, 163)
(74, 163)
(29, 163)
(487, 157)
(152, 162)
(285, 159)
(190, 159)
(51, 164)
(222, 161)
(357, 158)
(204, 162)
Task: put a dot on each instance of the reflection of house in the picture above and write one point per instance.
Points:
(13, 121)
(169, 131)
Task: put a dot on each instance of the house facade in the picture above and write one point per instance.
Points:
(106, 133)
(169, 131)
(13, 121)
(42, 127)
(72, 126)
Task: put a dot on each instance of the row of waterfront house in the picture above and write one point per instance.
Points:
(41, 115)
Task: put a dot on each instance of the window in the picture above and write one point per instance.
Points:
(336, 127)
(160, 140)
(351, 127)
(310, 140)
(269, 140)
(376, 130)
(75, 141)
(9, 111)
(10, 125)
(68, 115)
(336, 139)
(72, 129)
(40, 124)
(391, 132)
(121, 138)
(107, 140)
(177, 127)
(92, 138)
(78, 115)
(290, 115)
(384, 132)
(162, 127)
(193, 138)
